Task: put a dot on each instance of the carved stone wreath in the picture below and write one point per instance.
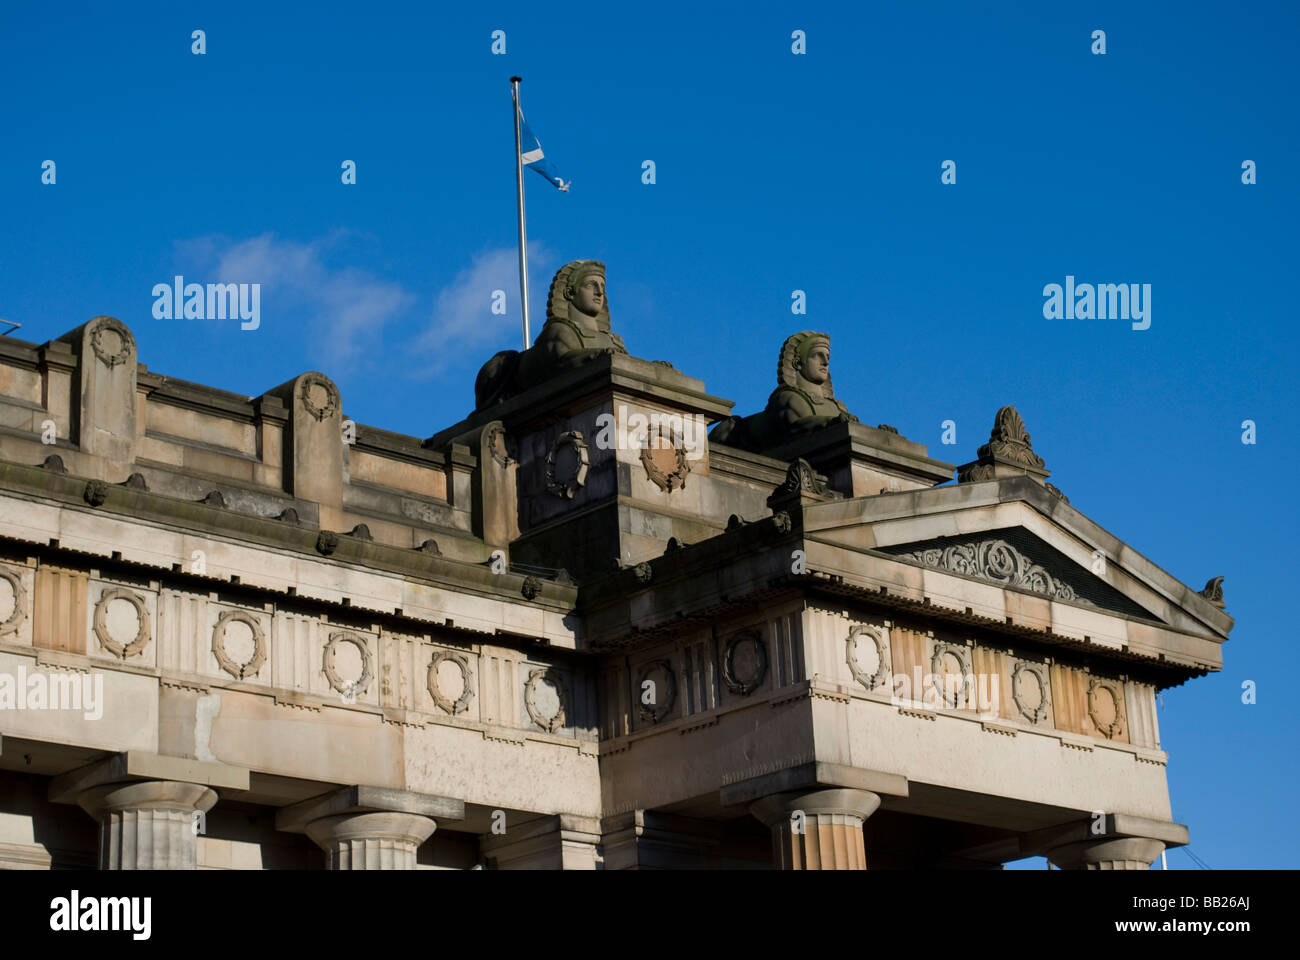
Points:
(447, 705)
(549, 724)
(569, 485)
(999, 562)
(663, 703)
(875, 635)
(224, 660)
(125, 345)
(15, 618)
(668, 482)
(310, 380)
(336, 682)
(1097, 689)
(734, 683)
(1039, 673)
(960, 693)
(498, 446)
(142, 635)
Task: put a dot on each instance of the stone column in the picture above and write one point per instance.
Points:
(817, 830)
(1116, 853)
(1117, 842)
(369, 828)
(147, 825)
(371, 841)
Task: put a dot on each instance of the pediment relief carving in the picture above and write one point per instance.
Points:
(1014, 557)
(997, 561)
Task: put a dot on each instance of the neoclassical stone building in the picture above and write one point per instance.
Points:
(571, 631)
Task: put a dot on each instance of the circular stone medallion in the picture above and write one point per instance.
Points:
(122, 622)
(657, 690)
(664, 459)
(1105, 707)
(950, 667)
(744, 664)
(1030, 690)
(13, 602)
(545, 698)
(450, 681)
(347, 664)
(566, 465)
(867, 655)
(239, 644)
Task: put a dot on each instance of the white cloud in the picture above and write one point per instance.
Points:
(463, 322)
(347, 307)
(347, 310)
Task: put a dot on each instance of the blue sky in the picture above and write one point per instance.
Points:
(775, 172)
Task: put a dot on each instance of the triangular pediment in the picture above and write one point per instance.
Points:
(1016, 534)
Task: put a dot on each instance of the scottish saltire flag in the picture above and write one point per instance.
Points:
(533, 156)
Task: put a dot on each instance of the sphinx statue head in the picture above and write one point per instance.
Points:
(576, 332)
(578, 294)
(805, 363)
(803, 400)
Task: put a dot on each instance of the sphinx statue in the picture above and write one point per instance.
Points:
(576, 331)
(803, 400)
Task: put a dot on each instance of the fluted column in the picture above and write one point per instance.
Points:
(1120, 853)
(817, 830)
(147, 825)
(371, 841)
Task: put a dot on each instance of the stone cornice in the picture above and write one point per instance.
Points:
(203, 519)
(604, 376)
(868, 445)
(687, 594)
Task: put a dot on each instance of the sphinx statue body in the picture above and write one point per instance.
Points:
(803, 400)
(577, 331)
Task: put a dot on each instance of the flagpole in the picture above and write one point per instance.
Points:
(519, 190)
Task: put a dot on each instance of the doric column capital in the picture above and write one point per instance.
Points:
(1116, 853)
(371, 841)
(369, 828)
(829, 802)
(817, 829)
(148, 824)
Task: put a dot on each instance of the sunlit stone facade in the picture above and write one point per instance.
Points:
(519, 644)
